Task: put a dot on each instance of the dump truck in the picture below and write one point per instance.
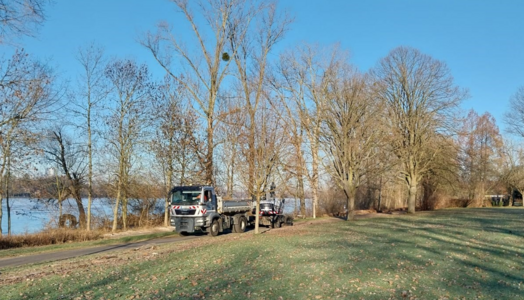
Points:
(194, 208)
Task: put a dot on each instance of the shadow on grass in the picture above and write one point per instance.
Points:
(466, 253)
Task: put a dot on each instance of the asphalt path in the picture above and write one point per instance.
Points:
(67, 254)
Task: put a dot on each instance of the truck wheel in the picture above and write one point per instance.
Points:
(214, 228)
(184, 233)
(242, 225)
(278, 224)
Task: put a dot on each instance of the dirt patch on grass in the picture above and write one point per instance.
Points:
(140, 231)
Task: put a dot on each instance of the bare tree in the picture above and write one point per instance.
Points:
(20, 17)
(251, 61)
(269, 144)
(69, 157)
(129, 115)
(351, 131)
(229, 138)
(204, 66)
(420, 98)
(514, 118)
(513, 171)
(443, 178)
(305, 73)
(481, 153)
(92, 90)
(144, 191)
(177, 144)
(294, 165)
(27, 94)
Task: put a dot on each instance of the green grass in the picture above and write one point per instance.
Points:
(78, 245)
(448, 254)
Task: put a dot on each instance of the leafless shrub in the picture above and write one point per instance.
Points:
(48, 237)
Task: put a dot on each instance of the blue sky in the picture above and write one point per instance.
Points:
(481, 41)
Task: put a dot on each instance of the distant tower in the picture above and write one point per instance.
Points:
(50, 172)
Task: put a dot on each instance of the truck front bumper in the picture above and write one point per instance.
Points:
(185, 224)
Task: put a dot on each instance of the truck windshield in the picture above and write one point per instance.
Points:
(185, 197)
(266, 206)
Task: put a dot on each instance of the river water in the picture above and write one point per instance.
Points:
(30, 215)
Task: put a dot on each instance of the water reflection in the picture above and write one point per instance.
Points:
(29, 215)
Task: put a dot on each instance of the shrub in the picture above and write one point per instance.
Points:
(48, 237)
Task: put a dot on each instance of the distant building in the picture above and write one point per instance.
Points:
(50, 172)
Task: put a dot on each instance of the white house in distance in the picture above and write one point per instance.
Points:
(50, 172)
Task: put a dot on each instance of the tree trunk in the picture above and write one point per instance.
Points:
(315, 199)
(115, 210)
(7, 182)
(81, 210)
(90, 168)
(379, 206)
(166, 211)
(350, 203)
(8, 206)
(1, 198)
(301, 195)
(412, 195)
(1, 211)
(124, 212)
(257, 214)
(251, 156)
(60, 209)
(209, 155)
(169, 182)
(314, 179)
(231, 178)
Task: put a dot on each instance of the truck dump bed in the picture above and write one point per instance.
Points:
(233, 206)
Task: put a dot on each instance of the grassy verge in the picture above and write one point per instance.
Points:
(450, 254)
(303, 220)
(77, 245)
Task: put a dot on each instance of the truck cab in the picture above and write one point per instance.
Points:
(195, 208)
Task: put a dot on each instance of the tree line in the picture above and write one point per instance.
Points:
(230, 110)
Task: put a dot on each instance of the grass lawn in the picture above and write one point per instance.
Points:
(447, 254)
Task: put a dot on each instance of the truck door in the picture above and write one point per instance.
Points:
(211, 202)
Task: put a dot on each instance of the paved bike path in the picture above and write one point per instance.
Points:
(66, 254)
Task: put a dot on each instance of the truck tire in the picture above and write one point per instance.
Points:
(278, 224)
(213, 229)
(240, 226)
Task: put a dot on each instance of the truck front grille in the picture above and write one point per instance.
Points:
(189, 212)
